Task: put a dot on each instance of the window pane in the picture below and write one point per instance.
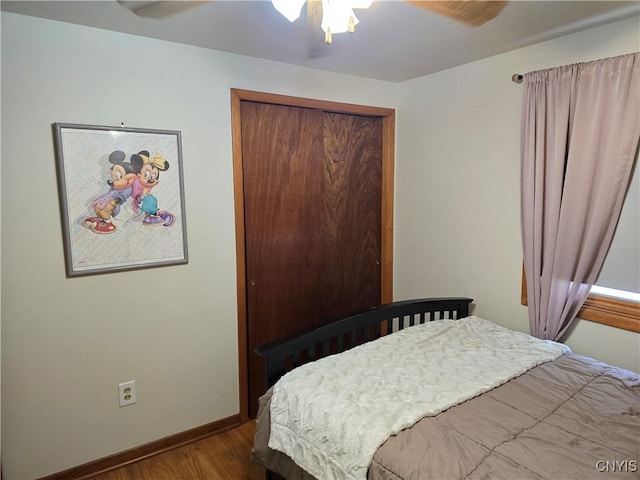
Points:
(621, 269)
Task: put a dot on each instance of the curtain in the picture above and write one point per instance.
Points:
(580, 130)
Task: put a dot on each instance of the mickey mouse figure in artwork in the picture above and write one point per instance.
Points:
(107, 205)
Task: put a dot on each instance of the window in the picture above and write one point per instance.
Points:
(614, 311)
(615, 298)
(621, 269)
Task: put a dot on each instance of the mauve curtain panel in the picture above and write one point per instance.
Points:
(580, 130)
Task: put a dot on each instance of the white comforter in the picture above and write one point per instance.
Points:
(330, 416)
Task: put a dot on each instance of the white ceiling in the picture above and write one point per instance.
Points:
(393, 42)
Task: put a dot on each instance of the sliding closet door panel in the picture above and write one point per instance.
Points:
(282, 161)
(312, 201)
(352, 209)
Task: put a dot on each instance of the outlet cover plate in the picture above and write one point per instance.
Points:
(127, 393)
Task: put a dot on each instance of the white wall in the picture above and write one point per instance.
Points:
(457, 228)
(67, 343)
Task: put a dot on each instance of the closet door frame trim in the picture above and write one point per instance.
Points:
(386, 246)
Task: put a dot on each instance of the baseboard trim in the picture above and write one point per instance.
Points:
(136, 454)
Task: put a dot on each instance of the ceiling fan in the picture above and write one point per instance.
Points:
(470, 12)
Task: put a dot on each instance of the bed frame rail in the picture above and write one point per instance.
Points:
(337, 336)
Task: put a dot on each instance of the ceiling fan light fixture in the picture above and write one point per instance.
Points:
(338, 15)
(290, 9)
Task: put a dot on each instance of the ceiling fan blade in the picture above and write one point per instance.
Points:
(160, 9)
(471, 12)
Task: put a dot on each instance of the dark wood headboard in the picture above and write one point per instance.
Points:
(347, 332)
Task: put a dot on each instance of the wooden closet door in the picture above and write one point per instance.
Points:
(312, 201)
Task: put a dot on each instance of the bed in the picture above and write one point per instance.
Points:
(489, 403)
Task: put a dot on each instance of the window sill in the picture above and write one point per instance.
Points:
(611, 311)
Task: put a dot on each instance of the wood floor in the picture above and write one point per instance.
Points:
(224, 456)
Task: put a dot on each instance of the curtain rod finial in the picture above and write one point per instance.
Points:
(516, 77)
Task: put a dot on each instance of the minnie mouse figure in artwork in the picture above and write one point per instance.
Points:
(152, 214)
(142, 200)
(107, 205)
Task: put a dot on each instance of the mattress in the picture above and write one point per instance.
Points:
(571, 418)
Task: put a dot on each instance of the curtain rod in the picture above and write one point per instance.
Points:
(516, 77)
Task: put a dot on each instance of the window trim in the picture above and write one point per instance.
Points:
(615, 312)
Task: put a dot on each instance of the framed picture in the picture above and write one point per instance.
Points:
(121, 198)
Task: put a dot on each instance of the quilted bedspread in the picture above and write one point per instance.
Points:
(331, 416)
(571, 419)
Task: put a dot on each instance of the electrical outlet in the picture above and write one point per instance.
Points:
(127, 393)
